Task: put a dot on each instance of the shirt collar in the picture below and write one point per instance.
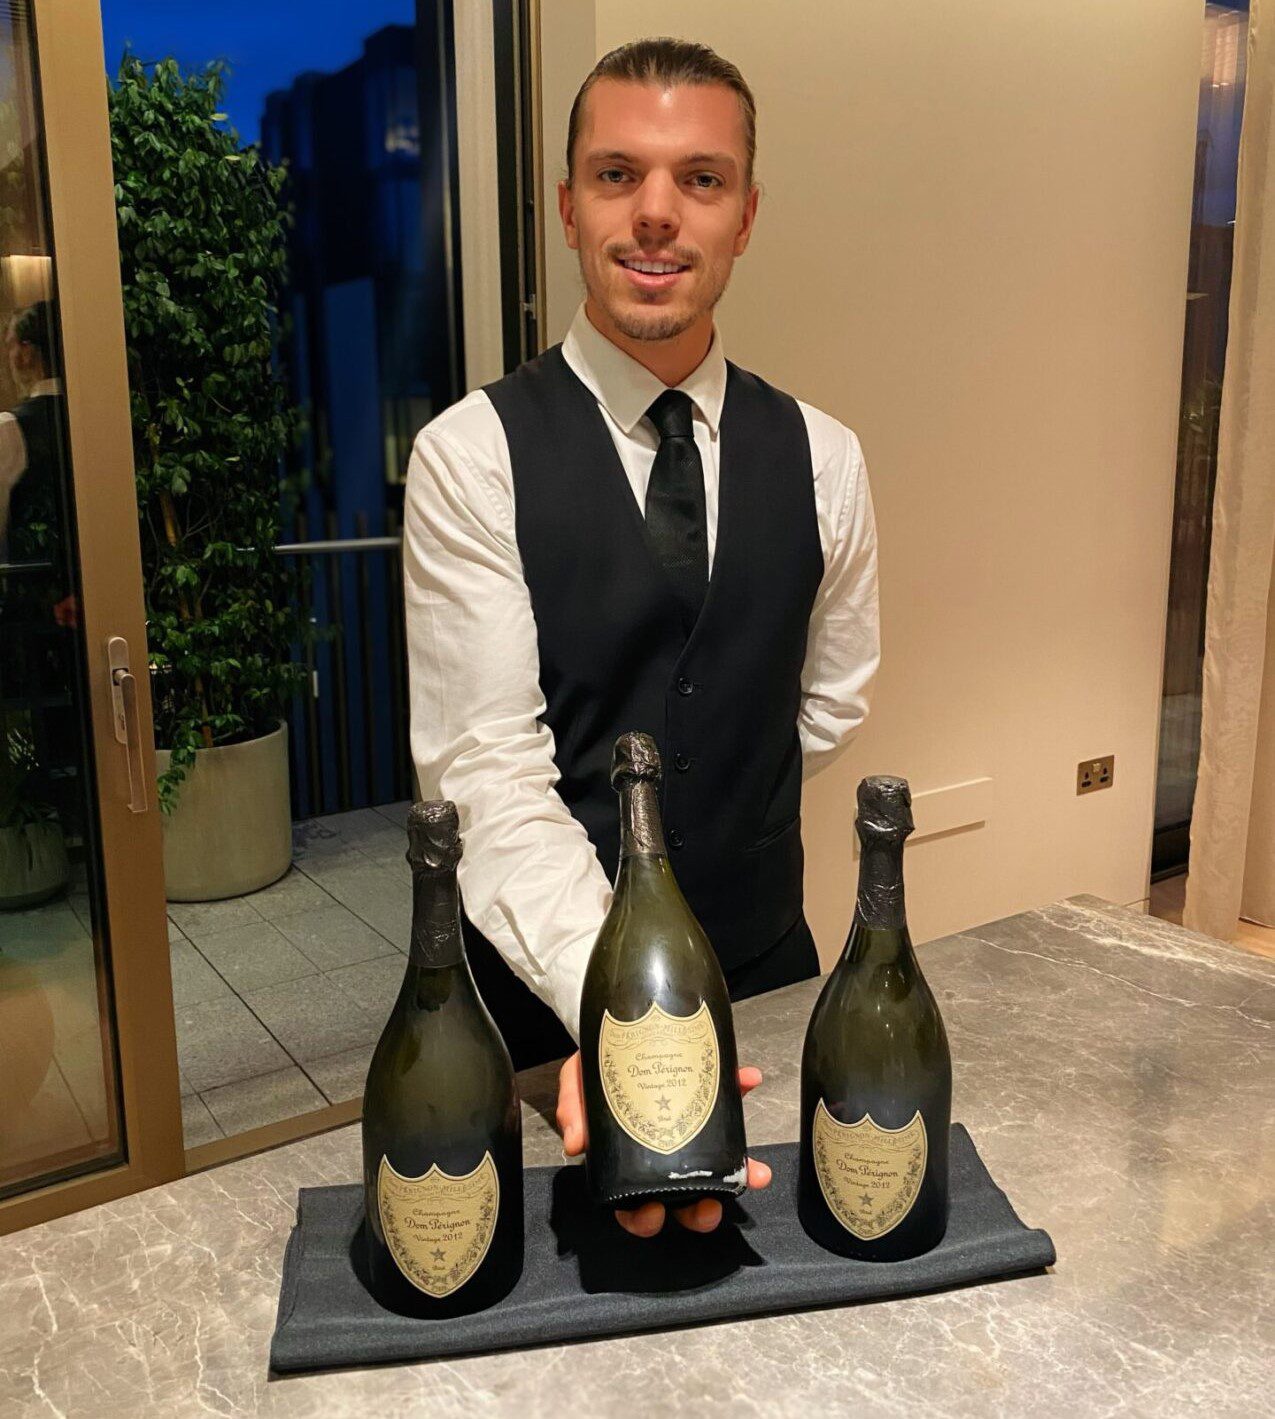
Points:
(626, 388)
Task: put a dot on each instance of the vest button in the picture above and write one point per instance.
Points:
(681, 762)
(684, 687)
(675, 838)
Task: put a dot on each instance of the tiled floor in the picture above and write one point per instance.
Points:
(281, 995)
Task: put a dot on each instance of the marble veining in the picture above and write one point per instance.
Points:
(1115, 1071)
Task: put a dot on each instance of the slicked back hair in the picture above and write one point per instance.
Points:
(666, 62)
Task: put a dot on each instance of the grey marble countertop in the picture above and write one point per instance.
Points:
(1114, 1070)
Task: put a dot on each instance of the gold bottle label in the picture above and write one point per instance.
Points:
(869, 1176)
(438, 1227)
(659, 1075)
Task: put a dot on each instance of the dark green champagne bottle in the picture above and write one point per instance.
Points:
(657, 1042)
(876, 1073)
(442, 1125)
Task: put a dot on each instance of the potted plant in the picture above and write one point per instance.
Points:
(33, 859)
(202, 234)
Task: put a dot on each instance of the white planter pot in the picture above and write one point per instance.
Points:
(33, 864)
(231, 831)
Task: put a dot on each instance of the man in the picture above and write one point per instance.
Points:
(38, 612)
(29, 440)
(33, 513)
(630, 533)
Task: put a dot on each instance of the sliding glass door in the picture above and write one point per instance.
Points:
(85, 997)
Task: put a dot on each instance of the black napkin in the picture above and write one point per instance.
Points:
(584, 1276)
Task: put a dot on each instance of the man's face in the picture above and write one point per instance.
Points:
(19, 354)
(658, 176)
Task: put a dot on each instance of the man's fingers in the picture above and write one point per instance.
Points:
(646, 1220)
(759, 1174)
(570, 1112)
(701, 1216)
(642, 1221)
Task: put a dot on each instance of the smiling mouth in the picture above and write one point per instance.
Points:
(628, 264)
(651, 280)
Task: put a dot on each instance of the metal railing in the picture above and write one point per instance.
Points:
(348, 731)
(7, 567)
(348, 735)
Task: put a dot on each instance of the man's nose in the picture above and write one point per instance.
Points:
(657, 208)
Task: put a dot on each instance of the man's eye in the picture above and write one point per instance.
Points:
(712, 177)
(605, 171)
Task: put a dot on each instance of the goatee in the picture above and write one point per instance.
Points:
(659, 325)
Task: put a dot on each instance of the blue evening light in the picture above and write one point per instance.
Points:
(267, 43)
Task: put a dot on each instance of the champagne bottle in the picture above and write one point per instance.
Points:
(442, 1125)
(876, 1073)
(657, 1043)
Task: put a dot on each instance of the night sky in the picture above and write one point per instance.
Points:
(267, 43)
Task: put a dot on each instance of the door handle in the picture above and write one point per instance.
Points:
(128, 729)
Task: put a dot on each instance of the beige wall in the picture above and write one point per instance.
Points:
(568, 50)
(479, 195)
(971, 248)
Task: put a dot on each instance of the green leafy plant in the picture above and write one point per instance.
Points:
(18, 767)
(202, 233)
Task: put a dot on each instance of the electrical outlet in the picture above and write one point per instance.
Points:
(1094, 774)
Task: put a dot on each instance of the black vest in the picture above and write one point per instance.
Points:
(35, 502)
(722, 703)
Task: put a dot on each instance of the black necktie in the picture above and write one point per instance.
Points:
(675, 517)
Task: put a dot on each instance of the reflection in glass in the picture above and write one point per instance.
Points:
(58, 1110)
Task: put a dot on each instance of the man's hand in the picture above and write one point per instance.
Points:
(644, 1221)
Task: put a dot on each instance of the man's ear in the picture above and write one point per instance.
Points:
(747, 218)
(566, 210)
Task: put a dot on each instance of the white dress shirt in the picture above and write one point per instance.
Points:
(530, 878)
(13, 457)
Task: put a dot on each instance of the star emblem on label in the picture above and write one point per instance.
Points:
(438, 1225)
(660, 1074)
(886, 1165)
